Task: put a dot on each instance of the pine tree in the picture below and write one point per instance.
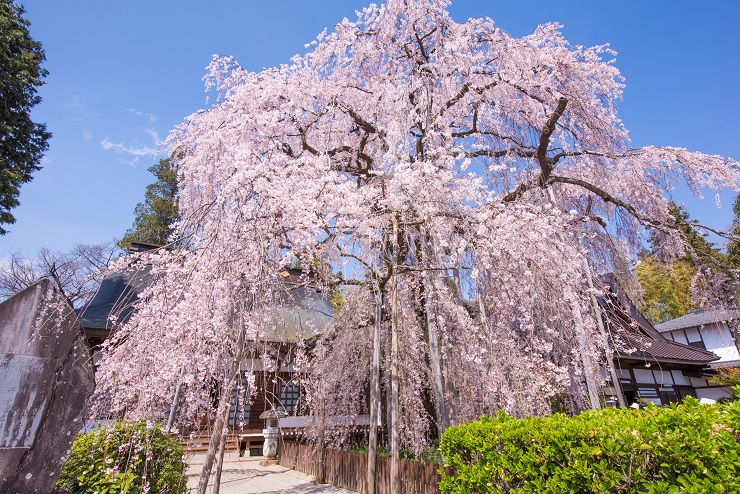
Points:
(154, 217)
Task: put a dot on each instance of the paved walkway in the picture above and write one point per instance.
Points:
(246, 476)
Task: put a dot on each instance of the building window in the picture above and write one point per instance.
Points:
(693, 335)
(649, 395)
(290, 394)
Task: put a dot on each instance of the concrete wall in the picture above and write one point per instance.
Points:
(46, 380)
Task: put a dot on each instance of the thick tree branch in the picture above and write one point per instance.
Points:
(564, 154)
(606, 197)
(489, 153)
(545, 162)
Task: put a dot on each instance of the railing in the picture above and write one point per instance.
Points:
(349, 470)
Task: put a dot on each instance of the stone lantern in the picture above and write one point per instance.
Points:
(271, 433)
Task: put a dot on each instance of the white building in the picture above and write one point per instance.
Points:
(712, 330)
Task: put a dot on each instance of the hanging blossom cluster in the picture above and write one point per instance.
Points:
(458, 177)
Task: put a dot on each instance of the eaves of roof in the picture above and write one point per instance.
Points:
(666, 352)
(726, 363)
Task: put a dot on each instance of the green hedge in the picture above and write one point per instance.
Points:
(120, 457)
(687, 448)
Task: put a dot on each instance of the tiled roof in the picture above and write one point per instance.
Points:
(116, 296)
(634, 339)
(664, 351)
(304, 309)
(696, 318)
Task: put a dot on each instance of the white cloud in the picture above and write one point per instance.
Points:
(152, 118)
(133, 152)
(87, 135)
(154, 135)
(130, 153)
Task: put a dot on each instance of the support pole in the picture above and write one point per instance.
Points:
(434, 358)
(175, 400)
(449, 385)
(588, 368)
(223, 411)
(321, 439)
(395, 453)
(205, 474)
(372, 443)
(609, 353)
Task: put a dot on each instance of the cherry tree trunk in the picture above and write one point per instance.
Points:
(219, 465)
(218, 428)
(372, 443)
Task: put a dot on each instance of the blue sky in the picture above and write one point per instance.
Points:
(122, 74)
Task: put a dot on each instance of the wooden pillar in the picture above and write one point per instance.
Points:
(218, 427)
(395, 440)
(575, 309)
(321, 440)
(175, 401)
(223, 412)
(432, 334)
(450, 392)
(588, 368)
(372, 448)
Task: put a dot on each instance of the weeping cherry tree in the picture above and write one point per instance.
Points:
(465, 183)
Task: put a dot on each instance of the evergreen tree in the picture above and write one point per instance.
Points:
(154, 217)
(700, 250)
(667, 286)
(22, 142)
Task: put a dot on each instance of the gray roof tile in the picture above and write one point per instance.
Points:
(697, 318)
(304, 309)
(116, 296)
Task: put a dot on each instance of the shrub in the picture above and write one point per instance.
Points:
(688, 448)
(122, 458)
